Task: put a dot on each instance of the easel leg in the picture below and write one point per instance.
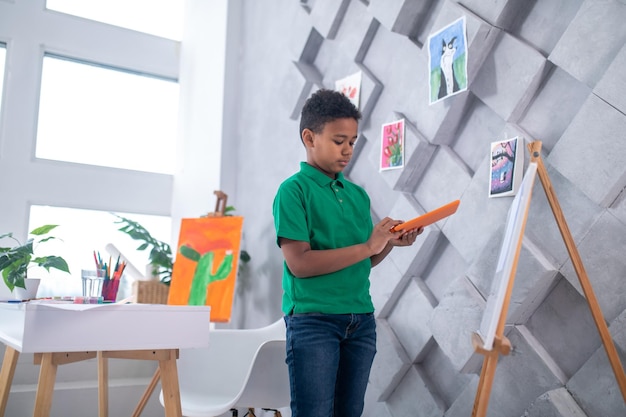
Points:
(484, 385)
(577, 262)
(6, 376)
(103, 386)
(45, 386)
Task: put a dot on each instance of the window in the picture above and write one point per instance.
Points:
(80, 232)
(102, 116)
(162, 18)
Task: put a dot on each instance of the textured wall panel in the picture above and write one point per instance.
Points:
(414, 334)
(445, 266)
(326, 16)
(401, 16)
(449, 182)
(618, 209)
(605, 266)
(594, 386)
(590, 153)
(443, 377)
(510, 76)
(578, 210)
(417, 159)
(386, 284)
(613, 82)
(412, 397)
(596, 31)
(540, 28)
(554, 106)
(481, 126)
(357, 30)
(390, 364)
(501, 13)
(563, 323)
(555, 403)
(532, 284)
(549, 70)
(454, 319)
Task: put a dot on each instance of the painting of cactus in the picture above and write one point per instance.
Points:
(205, 268)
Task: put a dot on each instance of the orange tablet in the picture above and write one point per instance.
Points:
(429, 218)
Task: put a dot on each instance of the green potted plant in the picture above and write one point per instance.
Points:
(16, 260)
(160, 256)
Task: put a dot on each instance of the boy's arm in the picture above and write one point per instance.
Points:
(405, 239)
(377, 258)
(305, 262)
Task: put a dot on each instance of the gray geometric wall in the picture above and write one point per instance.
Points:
(549, 70)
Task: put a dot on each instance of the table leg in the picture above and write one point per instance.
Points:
(147, 393)
(45, 386)
(6, 376)
(169, 385)
(103, 385)
(169, 376)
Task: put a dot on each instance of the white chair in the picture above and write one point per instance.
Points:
(239, 369)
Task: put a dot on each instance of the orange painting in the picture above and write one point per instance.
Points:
(205, 268)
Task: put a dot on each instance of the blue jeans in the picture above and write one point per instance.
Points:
(329, 357)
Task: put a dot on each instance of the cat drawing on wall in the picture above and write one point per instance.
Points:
(448, 84)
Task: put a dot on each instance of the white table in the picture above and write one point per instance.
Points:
(64, 333)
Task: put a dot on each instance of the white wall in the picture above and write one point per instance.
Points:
(202, 90)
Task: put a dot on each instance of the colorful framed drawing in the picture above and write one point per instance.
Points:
(205, 268)
(507, 158)
(392, 145)
(350, 87)
(447, 58)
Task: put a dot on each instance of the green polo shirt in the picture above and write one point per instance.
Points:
(329, 214)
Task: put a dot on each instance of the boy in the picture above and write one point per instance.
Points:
(324, 228)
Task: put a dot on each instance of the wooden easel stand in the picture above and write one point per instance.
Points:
(501, 343)
(596, 312)
(220, 208)
(220, 204)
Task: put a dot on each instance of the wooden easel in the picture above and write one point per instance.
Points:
(220, 208)
(501, 344)
(220, 204)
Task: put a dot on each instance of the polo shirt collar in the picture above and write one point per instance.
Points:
(319, 177)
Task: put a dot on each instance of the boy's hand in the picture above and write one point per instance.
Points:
(382, 234)
(407, 238)
(383, 239)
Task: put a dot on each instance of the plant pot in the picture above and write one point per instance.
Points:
(30, 292)
(150, 292)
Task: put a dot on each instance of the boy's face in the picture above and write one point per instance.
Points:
(331, 150)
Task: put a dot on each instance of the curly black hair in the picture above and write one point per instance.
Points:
(325, 106)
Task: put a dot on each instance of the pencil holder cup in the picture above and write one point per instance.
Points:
(109, 289)
(92, 281)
